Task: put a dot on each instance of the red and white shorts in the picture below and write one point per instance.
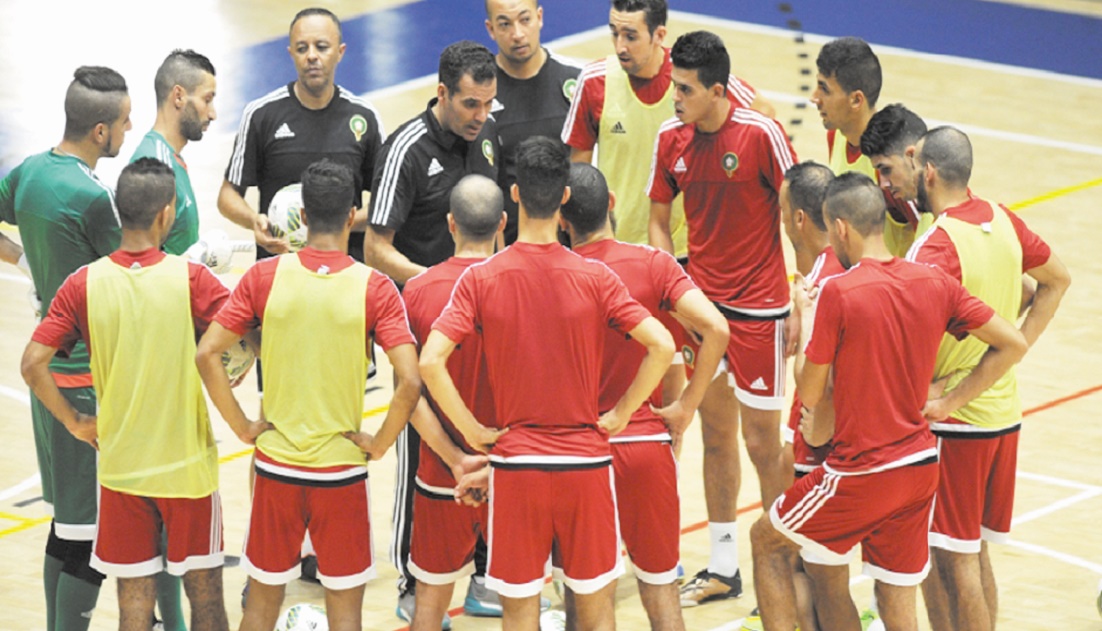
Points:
(804, 457)
(650, 512)
(336, 516)
(444, 535)
(975, 496)
(533, 511)
(128, 534)
(754, 362)
(887, 513)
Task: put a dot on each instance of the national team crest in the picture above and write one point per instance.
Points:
(358, 125)
(688, 355)
(488, 151)
(730, 163)
(568, 88)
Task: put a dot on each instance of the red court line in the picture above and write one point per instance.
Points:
(458, 611)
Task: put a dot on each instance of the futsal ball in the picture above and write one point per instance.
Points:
(238, 359)
(285, 216)
(303, 617)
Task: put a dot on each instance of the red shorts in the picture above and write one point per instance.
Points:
(128, 534)
(444, 536)
(340, 531)
(755, 362)
(805, 457)
(650, 515)
(887, 513)
(535, 510)
(975, 496)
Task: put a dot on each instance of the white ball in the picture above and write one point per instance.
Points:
(303, 617)
(238, 359)
(285, 216)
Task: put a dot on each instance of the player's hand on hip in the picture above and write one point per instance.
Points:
(791, 334)
(676, 417)
(485, 438)
(253, 429)
(612, 422)
(936, 410)
(265, 239)
(84, 429)
(366, 443)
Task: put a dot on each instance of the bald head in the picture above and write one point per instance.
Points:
(476, 204)
(950, 151)
(857, 200)
(587, 208)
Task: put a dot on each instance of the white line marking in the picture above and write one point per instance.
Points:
(1047, 479)
(18, 395)
(15, 278)
(730, 626)
(1059, 556)
(9, 493)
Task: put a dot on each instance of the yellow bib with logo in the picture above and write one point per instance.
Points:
(154, 433)
(990, 266)
(313, 346)
(626, 141)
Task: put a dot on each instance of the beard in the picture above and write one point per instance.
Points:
(922, 199)
(191, 127)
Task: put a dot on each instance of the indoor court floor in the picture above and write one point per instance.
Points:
(1023, 78)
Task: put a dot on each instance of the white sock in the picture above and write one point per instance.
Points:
(724, 548)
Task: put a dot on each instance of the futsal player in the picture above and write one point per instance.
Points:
(67, 218)
(185, 89)
(139, 311)
(534, 86)
(876, 486)
(542, 312)
(727, 163)
(642, 455)
(319, 310)
(987, 248)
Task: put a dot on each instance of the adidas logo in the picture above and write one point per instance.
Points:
(680, 166)
(284, 132)
(434, 168)
(618, 128)
(726, 539)
(758, 384)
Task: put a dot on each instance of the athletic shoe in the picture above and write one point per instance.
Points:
(244, 594)
(405, 608)
(752, 623)
(706, 587)
(483, 602)
(309, 569)
(1099, 601)
(553, 620)
(870, 621)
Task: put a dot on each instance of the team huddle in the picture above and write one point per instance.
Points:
(563, 266)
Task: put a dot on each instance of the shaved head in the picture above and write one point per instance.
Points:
(857, 200)
(95, 96)
(476, 204)
(587, 208)
(950, 151)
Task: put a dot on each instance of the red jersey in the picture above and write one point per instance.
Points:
(730, 180)
(542, 312)
(583, 121)
(385, 314)
(657, 281)
(880, 324)
(67, 320)
(936, 248)
(426, 295)
(825, 266)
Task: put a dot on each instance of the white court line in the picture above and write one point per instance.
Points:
(1059, 556)
(11, 492)
(15, 278)
(18, 395)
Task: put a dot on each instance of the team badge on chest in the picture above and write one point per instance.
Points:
(488, 151)
(358, 125)
(730, 163)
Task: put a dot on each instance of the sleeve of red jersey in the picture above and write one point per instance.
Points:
(968, 312)
(740, 92)
(242, 311)
(670, 278)
(386, 313)
(458, 320)
(936, 249)
(208, 295)
(622, 312)
(827, 328)
(583, 120)
(661, 187)
(778, 151)
(67, 319)
(1035, 252)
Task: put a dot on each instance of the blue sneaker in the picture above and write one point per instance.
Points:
(404, 611)
(483, 602)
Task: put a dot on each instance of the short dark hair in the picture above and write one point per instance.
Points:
(857, 200)
(655, 12)
(94, 96)
(704, 52)
(807, 188)
(950, 151)
(327, 196)
(891, 130)
(853, 65)
(543, 167)
(476, 203)
(184, 68)
(466, 58)
(587, 208)
(536, 3)
(145, 187)
(307, 12)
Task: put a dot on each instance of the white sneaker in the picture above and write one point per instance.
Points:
(553, 620)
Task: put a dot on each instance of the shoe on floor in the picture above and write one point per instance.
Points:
(752, 623)
(404, 611)
(483, 602)
(706, 587)
(309, 569)
(870, 621)
(553, 620)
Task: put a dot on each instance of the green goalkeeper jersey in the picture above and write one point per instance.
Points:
(185, 230)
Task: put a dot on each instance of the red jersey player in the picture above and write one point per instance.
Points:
(876, 487)
(643, 462)
(728, 164)
(542, 312)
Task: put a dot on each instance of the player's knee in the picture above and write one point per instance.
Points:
(56, 547)
(764, 537)
(78, 555)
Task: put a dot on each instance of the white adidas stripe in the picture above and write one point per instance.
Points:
(110, 192)
(237, 159)
(392, 170)
(365, 103)
(776, 136)
(594, 69)
(744, 96)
